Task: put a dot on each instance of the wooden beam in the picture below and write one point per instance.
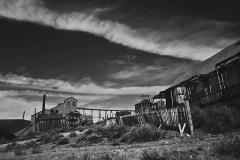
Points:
(97, 109)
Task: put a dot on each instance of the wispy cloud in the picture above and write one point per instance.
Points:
(75, 88)
(160, 74)
(90, 21)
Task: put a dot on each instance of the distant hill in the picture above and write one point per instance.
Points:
(13, 125)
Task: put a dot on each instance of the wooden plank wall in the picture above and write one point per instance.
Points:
(48, 124)
(167, 117)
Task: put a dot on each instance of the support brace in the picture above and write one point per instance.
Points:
(181, 130)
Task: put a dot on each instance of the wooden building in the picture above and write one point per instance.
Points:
(69, 105)
(208, 83)
(216, 80)
(146, 104)
(63, 115)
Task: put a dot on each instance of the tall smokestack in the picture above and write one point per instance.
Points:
(43, 104)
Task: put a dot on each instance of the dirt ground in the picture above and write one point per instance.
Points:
(125, 151)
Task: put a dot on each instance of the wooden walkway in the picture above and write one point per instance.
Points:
(100, 110)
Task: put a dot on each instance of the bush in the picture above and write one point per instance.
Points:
(183, 155)
(81, 138)
(115, 132)
(150, 155)
(198, 117)
(228, 148)
(63, 141)
(14, 145)
(142, 133)
(18, 151)
(46, 138)
(219, 120)
(104, 156)
(100, 131)
(31, 134)
(36, 149)
(89, 131)
(93, 138)
(28, 145)
(11, 146)
(81, 128)
(73, 134)
(216, 119)
(86, 156)
(56, 137)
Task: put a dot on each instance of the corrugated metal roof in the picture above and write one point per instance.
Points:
(209, 64)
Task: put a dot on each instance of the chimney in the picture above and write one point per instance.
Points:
(43, 104)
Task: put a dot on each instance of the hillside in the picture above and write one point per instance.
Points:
(136, 143)
(13, 125)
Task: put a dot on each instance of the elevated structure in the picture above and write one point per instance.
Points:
(214, 81)
(104, 114)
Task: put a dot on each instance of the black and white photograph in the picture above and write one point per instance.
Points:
(119, 80)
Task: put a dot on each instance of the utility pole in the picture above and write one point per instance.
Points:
(22, 119)
(35, 120)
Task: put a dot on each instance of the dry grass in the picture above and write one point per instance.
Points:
(36, 149)
(184, 150)
(141, 134)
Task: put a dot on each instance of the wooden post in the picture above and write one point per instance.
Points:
(23, 115)
(22, 119)
(111, 114)
(189, 114)
(91, 112)
(172, 98)
(99, 115)
(35, 120)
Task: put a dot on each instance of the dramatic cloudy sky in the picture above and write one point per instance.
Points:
(105, 53)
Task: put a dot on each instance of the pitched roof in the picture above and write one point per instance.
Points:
(40, 112)
(209, 64)
(71, 98)
(59, 104)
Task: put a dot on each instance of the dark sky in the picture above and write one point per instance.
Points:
(104, 52)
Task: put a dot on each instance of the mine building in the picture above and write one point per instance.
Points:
(146, 104)
(63, 115)
(215, 80)
(69, 105)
